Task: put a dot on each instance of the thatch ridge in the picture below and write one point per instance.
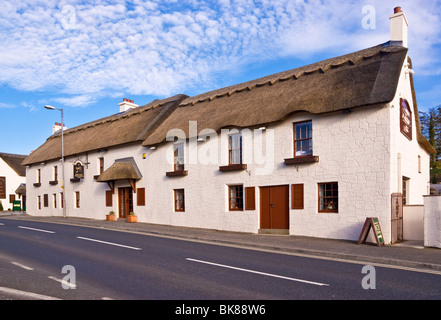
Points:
(119, 129)
(367, 77)
(320, 67)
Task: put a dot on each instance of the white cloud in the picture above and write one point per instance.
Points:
(164, 47)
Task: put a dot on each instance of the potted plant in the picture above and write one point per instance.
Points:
(111, 216)
(131, 217)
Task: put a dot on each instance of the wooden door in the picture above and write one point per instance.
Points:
(274, 207)
(125, 197)
(397, 217)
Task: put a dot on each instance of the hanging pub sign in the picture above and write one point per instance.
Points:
(78, 168)
(375, 225)
(405, 119)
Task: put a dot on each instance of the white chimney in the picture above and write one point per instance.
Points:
(57, 127)
(126, 105)
(398, 26)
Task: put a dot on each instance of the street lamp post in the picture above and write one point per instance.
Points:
(62, 156)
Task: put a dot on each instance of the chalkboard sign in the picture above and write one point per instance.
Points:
(375, 225)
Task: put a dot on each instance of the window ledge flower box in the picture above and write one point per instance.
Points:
(233, 167)
(176, 173)
(300, 160)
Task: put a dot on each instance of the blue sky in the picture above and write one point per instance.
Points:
(85, 57)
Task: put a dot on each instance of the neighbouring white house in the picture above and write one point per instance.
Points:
(12, 180)
(311, 151)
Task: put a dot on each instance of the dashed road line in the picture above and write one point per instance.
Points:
(110, 243)
(258, 272)
(34, 229)
(22, 266)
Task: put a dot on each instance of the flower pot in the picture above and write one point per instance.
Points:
(111, 217)
(131, 218)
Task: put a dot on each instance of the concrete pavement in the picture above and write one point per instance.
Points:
(405, 255)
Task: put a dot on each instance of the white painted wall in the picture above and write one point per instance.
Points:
(432, 221)
(13, 181)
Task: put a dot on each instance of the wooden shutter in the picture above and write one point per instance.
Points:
(109, 198)
(250, 198)
(297, 196)
(140, 197)
(2, 187)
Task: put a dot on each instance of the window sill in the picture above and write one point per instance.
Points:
(75, 180)
(233, 167)
(300, 160)
(53, 183)
(37, 184)
(177, 173)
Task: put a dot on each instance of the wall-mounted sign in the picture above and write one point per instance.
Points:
(405, 119)
(78, 169)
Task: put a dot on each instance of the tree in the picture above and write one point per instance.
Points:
(431, 129)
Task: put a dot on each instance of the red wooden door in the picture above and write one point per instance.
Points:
(274, 207)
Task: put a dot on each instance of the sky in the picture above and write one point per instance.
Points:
(85, 57)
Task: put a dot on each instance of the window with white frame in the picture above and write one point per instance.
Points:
(235, 148)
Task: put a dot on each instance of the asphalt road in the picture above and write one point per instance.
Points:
(44, 260)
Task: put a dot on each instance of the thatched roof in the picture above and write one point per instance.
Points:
(366, 77)
(14, 161)
(135, 125)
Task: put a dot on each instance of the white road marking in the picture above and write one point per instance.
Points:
(21, 266)
(258, 272)
(2, 224)
(65, 283)
(41, 230)
(27, 295)
(111, 243)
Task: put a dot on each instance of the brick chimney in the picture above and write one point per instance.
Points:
(57, 127)
(126, 104)
(398, 27)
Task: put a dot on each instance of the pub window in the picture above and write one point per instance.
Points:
(38, 176)
(235, 148)
(303, 139)
(11, 198)
(54, 197)
(178, 157)
(328, 197)
(77, 199)
(235, 198)
(55, 173)
(100, 165)
(419, 164)
(405, 187)
(39, 202)
(61, 199)
(179, 200)
(46, 200)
